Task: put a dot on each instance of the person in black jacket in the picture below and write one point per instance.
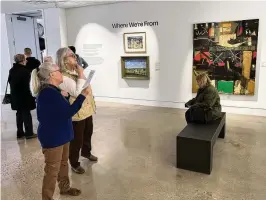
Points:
(21, 98)
(32, 62)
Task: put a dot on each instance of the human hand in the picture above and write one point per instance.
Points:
(64, 93)
(79, 69)
(85, 91)
(80, 72)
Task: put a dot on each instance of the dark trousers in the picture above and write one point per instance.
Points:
(24, 118)
(196, 115)
(82, 140)
(188, 116)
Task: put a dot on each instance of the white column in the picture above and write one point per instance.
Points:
(5, 55)
(55, 30)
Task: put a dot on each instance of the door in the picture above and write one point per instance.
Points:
(24, 34)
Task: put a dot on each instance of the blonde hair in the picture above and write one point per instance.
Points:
(40, 77)
(203, 79)
(48, 59)
(61, 55)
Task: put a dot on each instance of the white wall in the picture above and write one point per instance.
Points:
(55, 34)
(170, 44)
(5, 56)
(10, 48)
(63, 27)
(55, 30)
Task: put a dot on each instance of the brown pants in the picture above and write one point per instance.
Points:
(82, 140)
(56, 168)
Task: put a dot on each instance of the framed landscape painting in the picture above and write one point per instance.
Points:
(135, 67)
(227, 51)
(135, 42)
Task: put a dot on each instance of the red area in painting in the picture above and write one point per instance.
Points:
(205, 55)
(254, 54)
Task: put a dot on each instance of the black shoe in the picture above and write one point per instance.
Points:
(31, 136)
(93, 158)
(20, 137)
(90, 157)
(78, 170)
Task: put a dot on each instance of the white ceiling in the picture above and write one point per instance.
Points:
(29, 5)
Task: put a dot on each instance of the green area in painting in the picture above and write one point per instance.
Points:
(226, 87)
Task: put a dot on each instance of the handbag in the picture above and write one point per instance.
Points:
(7, 97)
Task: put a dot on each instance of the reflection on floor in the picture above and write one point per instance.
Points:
(136, 150)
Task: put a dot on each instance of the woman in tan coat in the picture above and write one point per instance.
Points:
(73, 81)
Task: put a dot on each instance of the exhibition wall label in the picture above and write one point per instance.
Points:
(135, 24)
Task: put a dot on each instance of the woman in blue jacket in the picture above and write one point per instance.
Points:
(55, 129)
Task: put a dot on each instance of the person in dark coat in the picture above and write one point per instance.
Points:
(32, 62)
(205, 107)
(21, 98)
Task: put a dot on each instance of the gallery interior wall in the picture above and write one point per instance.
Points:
(55, 29)
(63, 27)
(169, 46)
(5, 55)
(55, 35)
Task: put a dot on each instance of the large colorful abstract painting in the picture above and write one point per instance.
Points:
(227, 51)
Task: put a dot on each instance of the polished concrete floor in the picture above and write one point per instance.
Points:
(136, 150)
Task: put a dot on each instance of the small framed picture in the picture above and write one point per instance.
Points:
(135, 67)
(135, 42)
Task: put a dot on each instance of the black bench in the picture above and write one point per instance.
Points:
(194, 145)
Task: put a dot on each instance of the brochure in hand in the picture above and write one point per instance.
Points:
(88, 81)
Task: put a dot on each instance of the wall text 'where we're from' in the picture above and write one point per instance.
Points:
(135, 24)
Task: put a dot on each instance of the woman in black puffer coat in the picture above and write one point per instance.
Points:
(21, 98)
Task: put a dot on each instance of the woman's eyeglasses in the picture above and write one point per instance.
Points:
(59, 70)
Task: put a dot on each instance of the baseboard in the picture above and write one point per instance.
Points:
(245, 111)
(142, 102)
(180, 105)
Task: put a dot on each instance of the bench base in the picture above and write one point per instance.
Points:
(196, 153)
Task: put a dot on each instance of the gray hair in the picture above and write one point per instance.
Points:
(61, 55)
(40, 77)
(48, 59)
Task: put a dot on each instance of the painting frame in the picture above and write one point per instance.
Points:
(146, 76)
(227, 52)
(128, 49)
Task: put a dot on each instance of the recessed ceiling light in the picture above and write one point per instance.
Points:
(42, 1)
(36, 1)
